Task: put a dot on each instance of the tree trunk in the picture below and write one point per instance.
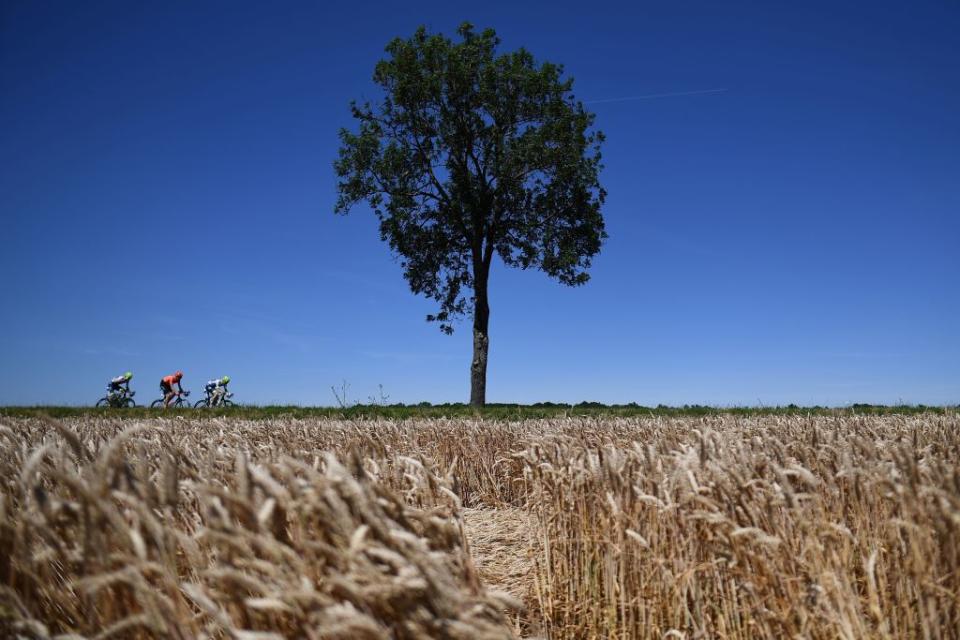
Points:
(481, 344)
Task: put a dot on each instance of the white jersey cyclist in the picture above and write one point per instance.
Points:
(218, 387)
(121, 382)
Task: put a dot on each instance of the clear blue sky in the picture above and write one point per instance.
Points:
(166, 198)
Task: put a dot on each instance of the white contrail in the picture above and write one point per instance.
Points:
(653, 96)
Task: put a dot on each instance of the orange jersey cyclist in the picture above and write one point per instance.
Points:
(166, 386)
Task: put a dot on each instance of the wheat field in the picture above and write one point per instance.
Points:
(724, 526)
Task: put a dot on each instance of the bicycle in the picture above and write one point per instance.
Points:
(213, 400)
(180, 402)
(118, 399)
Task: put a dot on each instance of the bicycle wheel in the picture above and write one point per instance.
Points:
(130, 403)
(156, 404)
(228, 403)
(202, 402)
(103, 402)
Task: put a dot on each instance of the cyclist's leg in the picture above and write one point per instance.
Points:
(167, 394)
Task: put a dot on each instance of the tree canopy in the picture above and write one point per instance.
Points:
(470, 154)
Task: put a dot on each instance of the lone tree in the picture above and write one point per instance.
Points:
(468, 154)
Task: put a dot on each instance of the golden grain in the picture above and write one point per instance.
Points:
(723, 526)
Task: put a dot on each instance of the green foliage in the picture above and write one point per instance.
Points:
(492, 411)
(471, 153)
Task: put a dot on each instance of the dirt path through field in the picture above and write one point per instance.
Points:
(500, 541)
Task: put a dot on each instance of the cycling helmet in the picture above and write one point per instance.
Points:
(225, 379)
(128, 375)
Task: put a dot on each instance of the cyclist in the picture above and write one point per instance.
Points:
(166, 387)
(120, 384)
(216, 389)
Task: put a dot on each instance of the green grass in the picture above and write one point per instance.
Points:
(491, 411)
